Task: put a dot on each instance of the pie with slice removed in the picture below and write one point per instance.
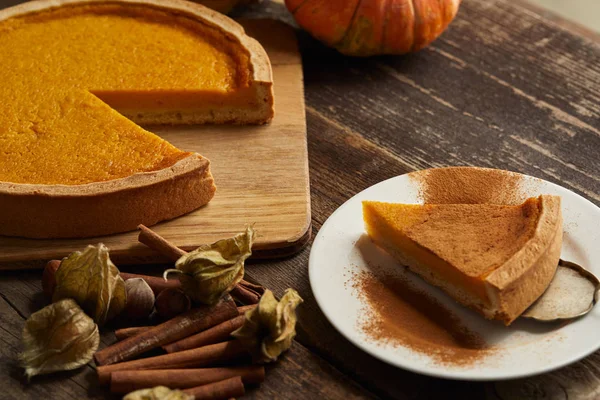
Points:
(496, 259)
(78, 78)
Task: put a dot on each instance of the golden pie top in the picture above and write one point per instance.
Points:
(476, 238)
(473, 238)
(58, 65)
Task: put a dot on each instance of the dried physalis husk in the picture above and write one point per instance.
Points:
(212, 270)
(269, 329)
(59, 337)
(93, 281)
(158, 393)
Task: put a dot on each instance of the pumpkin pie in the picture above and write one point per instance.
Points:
(79, 76)
(496, 259)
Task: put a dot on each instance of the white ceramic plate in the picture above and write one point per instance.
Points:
(525, 348)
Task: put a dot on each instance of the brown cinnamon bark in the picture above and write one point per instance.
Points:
(156, 283)
(156, 242)
(216, 334)
(245, 295)
(184, 325)
(226, 389)
(252, 286)
(245, 292)
(129, 332)
(202, 356)
(128, 381)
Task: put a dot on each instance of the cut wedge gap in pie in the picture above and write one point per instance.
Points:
(79, 76)
(496, 259)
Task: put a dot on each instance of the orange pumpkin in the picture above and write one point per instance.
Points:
(370, 27)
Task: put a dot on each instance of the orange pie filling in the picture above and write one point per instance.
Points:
(74, 75)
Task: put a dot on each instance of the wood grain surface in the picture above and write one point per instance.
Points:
(261, 173)
(504, 87)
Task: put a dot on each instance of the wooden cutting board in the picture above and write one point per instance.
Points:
(261, 174)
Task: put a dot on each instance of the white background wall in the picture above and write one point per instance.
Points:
(585, 12)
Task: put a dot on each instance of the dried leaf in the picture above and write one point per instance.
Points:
(212, 270)
(269, 329)
(158, 393)
(59, 337)
(93, 281)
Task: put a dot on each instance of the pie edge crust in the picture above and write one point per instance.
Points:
(102, 208)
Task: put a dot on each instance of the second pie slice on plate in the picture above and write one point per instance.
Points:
(496, 259)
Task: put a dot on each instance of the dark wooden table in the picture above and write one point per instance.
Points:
(507, 86)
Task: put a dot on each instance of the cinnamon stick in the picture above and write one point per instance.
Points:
(184, 325)
(125, 333)
(246, 292)
(216, 334)
(245, 295)
(156, 242)
(252, 286)
(232, 387)
(156, 283)
(128, 381)
(202, 356)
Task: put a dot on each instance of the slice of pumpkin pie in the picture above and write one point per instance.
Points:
(78, 78)
(496, 259)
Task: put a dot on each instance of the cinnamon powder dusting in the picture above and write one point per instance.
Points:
(398, 314)
(470, 185)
